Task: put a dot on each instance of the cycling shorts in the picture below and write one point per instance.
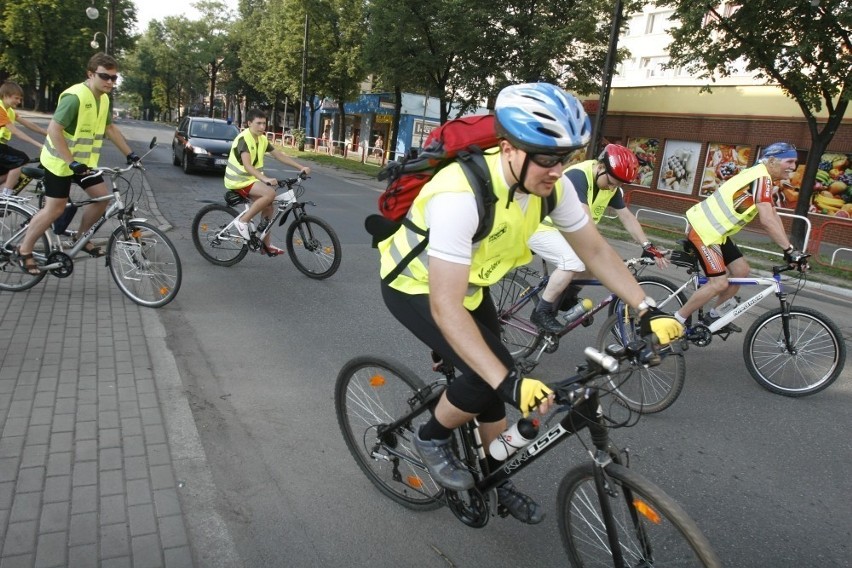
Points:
(244, 191)
(11, 158)
(59, 187)
(550, 245)
(714, 258)
(467, 392)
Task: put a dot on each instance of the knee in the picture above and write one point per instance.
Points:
(740, 270)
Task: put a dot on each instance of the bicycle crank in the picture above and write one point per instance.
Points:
(65, 264)
(700, 335)
(469, 507)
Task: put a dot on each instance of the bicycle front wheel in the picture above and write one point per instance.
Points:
(662, 290)
(145, 264)
(652, 529)
(371, 392)
(212, 240)
(643, 390)
(13, 222)
(517, 333)
(313, 247)
(817, 357)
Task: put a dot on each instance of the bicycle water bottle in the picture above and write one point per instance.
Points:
(579, 310)
(516, 437)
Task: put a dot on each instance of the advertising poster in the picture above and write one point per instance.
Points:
(723, 161)
(680, 162)
(646, 152)
(832, 194)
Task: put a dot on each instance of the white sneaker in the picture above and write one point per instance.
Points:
(242, 228)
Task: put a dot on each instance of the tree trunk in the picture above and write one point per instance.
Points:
(397, 111)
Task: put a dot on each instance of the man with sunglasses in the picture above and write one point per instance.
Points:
(75, 135)
(598, 186)
(442, 295)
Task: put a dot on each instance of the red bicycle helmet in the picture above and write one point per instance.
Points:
(619, 162)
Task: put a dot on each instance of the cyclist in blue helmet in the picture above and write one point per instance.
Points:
(442, 295)
(712, 222)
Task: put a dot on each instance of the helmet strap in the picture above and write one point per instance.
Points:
(518, 185)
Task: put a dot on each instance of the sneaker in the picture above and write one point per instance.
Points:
(242, 228)
(520, 506)
(443, 465)
(546, 321)
(730, 328)
(273, 250)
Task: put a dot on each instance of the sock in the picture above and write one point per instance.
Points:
(433, 430)
(544, 306)
(714, 313)
(679, 318)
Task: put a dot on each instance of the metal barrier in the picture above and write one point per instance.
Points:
(679, 218)
(818, 238)
(775, 252)
(834, 255)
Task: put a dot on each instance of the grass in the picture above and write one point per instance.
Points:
(331, 161)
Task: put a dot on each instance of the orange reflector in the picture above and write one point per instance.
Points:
(377, 381)
(328, 250)
(647, 511)
(415, 482)
(299, 242)
(204, 227)
(136, 233)
(164, 291)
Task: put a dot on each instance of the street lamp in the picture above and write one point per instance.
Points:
(94, 43)
(92, 13)
(606, 83)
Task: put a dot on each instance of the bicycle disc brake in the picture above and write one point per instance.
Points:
(469, 507)
(66, 264)
(700, 335)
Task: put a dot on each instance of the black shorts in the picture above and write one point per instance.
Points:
(11, 158)
(468, 392)
(60, 186)
(714, 258)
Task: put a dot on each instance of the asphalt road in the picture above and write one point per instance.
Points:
(259, 345)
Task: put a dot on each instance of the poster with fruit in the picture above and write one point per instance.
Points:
(723, 161)
(680, 162)
(832, 193)
(646, 152)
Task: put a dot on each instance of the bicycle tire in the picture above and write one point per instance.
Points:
(643, 390)
(222, 250)
(371, 391)
(12, 278)
(322, 252)
(144, 264)
(516, 332)
(653, 529)
(818, 361)
(661, 290)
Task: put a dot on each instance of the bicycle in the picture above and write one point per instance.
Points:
(217, 239)
(605, 510)
(653, 389)
(790, 350)
(142, 260)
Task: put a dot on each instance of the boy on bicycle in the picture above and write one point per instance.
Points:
(598, 185)
(442, 295)
(244, 173)
(11, 159)
(731, 207)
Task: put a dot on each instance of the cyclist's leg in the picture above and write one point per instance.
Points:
(713, 264)
(94, 187)
(261, 196)
(549, 244)
(56, 191)
(737, 267)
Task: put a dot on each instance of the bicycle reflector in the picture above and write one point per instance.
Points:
(644, 509)
(377, 381)
(415, 482)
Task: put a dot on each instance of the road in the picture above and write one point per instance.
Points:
(258, 346)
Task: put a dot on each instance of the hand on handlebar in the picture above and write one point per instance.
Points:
(525, 394)
(662, 326)
(78, 168)
(132, 158)
(796, 257)
(649, 250)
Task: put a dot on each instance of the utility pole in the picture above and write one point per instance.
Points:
(606, 83)
(304, 73)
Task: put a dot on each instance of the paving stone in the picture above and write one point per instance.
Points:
(51, 550)
(112, 482)
(57, 488)
(178, 557)
(112, 510)
(54, 517)
(25, 507)
(84, 499)
(147, 552)
(30, 479)
(114, 541)
(20, 538)
(83, 529)
(142, 520)
(84, 556)
(173, 531)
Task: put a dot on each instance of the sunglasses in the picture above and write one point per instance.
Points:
(107, 77)
(550, 160)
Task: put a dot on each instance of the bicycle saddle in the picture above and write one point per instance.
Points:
(34, 172)
(233, 198)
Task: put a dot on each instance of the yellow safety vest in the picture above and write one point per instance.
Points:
(597, 199)
(715, 218)
(85, 144)
(236, 176)
(5, 133)
(504, 248)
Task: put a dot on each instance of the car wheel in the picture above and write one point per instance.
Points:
(187, 168)
(175, 158)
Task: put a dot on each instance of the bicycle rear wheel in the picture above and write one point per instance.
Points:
(13, 220)
(225, 248)
(145, 264)
(313, 247)
(643, 390)
(818, 357)
(371, 392)
(653, 530)
(517, 333)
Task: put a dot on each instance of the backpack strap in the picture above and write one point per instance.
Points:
(412, 254)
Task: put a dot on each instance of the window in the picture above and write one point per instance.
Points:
(659, 22)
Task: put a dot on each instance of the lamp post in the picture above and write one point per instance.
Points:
(92, 13)
(94, 43)
(606, 83)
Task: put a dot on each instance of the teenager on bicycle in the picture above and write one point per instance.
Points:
(244, 173)
(598, 185)
(11, 159)
(731, 207)
(442, 295)
(82, 120)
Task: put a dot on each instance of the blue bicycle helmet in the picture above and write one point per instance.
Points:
(540, 118)
(779, 150)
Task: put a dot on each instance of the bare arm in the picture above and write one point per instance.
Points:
(772, 224)
(22, 135)
(632, 225)
(32, 126)
(114, 134)
(54, 132)
(245, 158)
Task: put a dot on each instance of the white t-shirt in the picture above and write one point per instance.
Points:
(452, 220)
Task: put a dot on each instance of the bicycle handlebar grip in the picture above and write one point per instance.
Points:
(606, 362)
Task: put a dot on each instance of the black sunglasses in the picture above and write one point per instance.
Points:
(550, 160)
(107, 77)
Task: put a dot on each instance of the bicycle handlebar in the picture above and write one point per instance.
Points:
(289, 182)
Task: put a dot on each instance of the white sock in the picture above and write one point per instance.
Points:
(679, 318)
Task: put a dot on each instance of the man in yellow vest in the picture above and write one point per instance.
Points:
(11, 97)
(442, 294)
(75, 135)
(747, 195)
(244, 173)
(598, 185)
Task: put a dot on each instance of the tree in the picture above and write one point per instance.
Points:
(803, 48)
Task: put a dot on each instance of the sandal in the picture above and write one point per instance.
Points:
(30, 268)
(93, 251)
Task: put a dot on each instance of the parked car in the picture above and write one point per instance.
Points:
(202, 143)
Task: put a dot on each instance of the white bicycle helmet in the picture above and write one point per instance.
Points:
(540, 118)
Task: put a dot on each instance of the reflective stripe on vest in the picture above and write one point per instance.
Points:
(715, 218)
(236, 176)
(85, 144)
(5, 133)
(597, 199)
(501, 250)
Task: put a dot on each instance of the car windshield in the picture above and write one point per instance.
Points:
(213, 130)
